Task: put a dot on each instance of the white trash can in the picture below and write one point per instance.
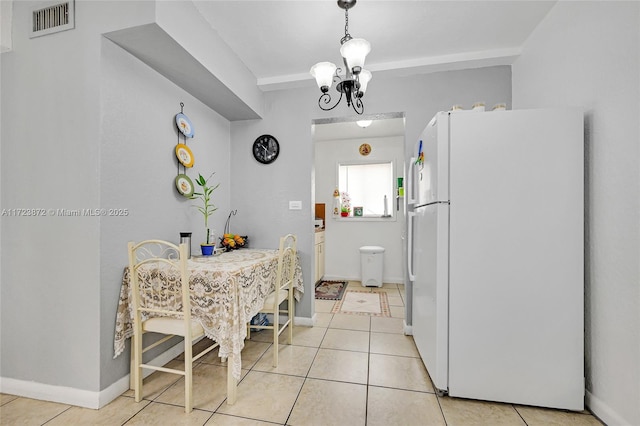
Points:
(371, 259)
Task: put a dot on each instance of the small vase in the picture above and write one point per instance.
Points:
(344, 214)
(207, 249)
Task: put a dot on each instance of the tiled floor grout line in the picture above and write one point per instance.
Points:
(57, 415)
(366, 399)
(518, 412)
(439, 404)
(306, 376)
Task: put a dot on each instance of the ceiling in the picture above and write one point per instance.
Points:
(279, 41)
(382, 125)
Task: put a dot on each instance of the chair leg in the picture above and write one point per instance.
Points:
(290, 314)
(132, 367)
(188, 376)
(136, 343)
(276, 329)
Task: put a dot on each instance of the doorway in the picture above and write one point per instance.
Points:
(340, 140)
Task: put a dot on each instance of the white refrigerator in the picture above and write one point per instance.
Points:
(495, 255)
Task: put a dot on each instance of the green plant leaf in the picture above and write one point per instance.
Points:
(207, 207)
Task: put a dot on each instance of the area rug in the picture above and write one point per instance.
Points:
(330, 290)
(363, 303)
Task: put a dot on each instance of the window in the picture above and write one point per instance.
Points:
(369, 186)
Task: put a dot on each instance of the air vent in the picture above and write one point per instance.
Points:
(51, 18)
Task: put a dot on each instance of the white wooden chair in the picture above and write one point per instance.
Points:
(161, 304)
(282, 292)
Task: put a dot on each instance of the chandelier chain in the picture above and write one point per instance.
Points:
(347, 36)
(346, 22)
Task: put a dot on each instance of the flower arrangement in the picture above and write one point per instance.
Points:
(345, 204)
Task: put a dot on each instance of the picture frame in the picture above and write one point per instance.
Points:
(357, 211)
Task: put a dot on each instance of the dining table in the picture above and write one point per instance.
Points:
(227, 291)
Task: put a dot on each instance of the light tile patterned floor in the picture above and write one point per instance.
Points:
(347, 370)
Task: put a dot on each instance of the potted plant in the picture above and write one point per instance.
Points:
(207, 208)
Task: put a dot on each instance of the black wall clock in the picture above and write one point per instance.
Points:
(266, 149)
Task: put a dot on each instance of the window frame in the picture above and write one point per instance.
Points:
(393, 213)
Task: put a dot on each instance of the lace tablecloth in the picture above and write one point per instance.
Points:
(227, 290)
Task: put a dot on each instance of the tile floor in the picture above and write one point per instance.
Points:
(347, 370)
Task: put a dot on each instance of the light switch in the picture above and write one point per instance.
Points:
(295, 205)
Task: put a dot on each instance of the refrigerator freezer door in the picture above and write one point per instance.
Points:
(430, 292)
(432, 170)
(516, 267)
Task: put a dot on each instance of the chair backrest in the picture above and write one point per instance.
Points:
(159, 280)
(287, 261)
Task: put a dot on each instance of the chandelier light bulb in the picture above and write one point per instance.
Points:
(323, 73)
(355, 51)
(364, 77)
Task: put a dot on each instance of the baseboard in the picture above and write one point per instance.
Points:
(385, 280)
(407, 329)
(602, 411)
(53, 393)
(305, 321)
(80, 397)
(333, 278)
(301, 321)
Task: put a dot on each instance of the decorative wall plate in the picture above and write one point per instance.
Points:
(184, 185)
(184, 154)
(365, 149)
(184, 125)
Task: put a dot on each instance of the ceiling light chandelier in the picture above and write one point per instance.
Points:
(353, 84)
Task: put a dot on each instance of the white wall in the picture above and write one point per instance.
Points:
(586, 54)
(344, 237)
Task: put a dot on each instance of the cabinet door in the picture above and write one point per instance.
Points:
(316, 273)
(320, 260)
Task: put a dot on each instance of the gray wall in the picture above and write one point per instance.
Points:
(84, 125)
(586, 54)
(60, 275)
(88, 126)
(137, 171)
(50, 160)
(261, 193)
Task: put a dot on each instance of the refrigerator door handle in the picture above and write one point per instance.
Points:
(411, 200)
(433, 203)
(410, 217)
